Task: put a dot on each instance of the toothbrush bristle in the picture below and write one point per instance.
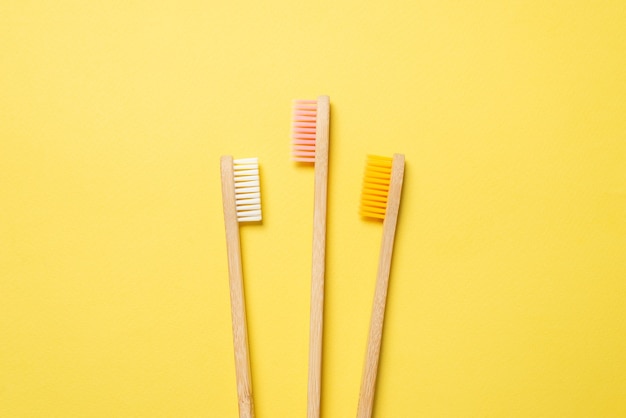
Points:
(375, 187)
(247, 189)
(303, 130)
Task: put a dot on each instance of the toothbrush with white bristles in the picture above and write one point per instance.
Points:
(310, 133)
(242, 203)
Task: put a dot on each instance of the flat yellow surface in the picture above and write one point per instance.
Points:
(508, 287)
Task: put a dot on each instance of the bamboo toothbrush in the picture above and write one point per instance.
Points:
(380, 199)
(310, 135)
(242, 203)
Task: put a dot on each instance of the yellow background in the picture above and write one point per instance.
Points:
(508, 286)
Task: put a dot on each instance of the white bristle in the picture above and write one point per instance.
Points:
(247, 189)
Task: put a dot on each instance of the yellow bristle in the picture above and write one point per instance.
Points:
(375, 187)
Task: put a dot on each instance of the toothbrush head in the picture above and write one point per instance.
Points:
(247, 189)
(304, 130)
(376, 184)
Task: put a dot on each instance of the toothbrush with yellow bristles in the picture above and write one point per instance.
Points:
(380, 199)
(310, 133)
(242, 203)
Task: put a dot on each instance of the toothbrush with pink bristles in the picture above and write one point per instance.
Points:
(311, 123)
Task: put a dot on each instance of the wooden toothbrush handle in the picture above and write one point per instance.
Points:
(372, 354)
(237, 301)
(319, 257)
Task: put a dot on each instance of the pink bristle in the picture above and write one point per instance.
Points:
(303, 130)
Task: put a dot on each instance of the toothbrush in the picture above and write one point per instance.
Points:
(242, 203)
(310, 135)
(380, 199)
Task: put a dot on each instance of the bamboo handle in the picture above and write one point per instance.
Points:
(237, 303)
(319, 255)
(370, 369)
